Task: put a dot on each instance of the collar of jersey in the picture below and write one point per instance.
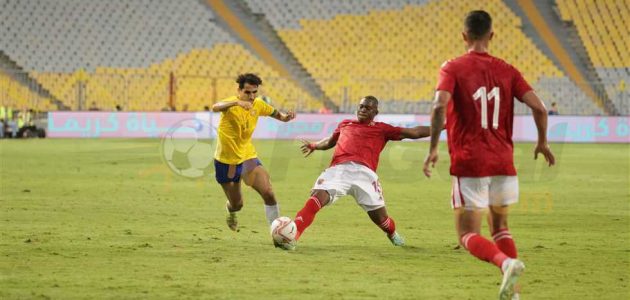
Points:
(372, 123)
(478, 53)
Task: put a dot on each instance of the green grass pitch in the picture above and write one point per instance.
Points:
(108, 219)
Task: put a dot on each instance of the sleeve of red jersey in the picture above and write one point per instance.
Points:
(520, 85)
(337, 132)
(392, 133)
(446, 80)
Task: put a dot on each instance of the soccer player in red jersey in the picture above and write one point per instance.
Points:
(353, 168)
(476, 91)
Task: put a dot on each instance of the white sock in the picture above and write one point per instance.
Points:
(272, 212)
(504, 265)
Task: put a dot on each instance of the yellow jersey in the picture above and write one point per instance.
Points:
(236, 126)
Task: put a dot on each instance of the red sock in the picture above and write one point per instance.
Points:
(389, 226)
(483, 249)
(305, 217)
(505, 243)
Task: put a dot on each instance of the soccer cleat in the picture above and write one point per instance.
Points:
(512, 269)
(517, 292)
(516, 296)
(231, 220)
(397, 239)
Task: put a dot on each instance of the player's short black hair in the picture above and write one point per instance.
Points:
(371, 99)
(250, 78)
(477, 24)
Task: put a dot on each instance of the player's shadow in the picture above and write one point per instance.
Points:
(350, 249)
(412, 248)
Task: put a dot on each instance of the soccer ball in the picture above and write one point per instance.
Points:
(283, 231)
(187, 148)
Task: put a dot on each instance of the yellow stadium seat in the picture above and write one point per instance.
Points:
(202, 77)
(605, 24)
(401, 45)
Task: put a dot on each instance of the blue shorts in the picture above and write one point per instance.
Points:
(225, 173)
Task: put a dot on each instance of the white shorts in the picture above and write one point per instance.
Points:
(480, 192)
(352, 179)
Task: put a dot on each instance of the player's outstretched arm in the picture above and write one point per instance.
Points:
(539, 112)
(283, 116)
(417, 132)
(438, 115)
(324, 144)
(225, 105)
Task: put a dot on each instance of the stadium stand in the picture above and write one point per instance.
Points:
(604, 28)
(124, 52)
(16, 94)
(392, 49)
(145, 54)
(19, 91)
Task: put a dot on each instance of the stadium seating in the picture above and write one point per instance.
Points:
(604, 28)
(123, 52)
(19, 96)
(140, 54)
(200, 76)
(68, 35)
(392, 49)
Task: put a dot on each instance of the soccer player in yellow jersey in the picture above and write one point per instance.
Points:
(236, 157)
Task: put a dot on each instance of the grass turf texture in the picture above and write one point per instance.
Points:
(108, 219)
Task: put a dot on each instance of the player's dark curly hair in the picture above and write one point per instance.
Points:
(477, 24)
(250, 78)
(371, 99)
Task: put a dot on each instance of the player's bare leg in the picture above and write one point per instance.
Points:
(305, 217)
(322, 196)
(467, 221)
(469, 224)
(456, 216)
(384, 222)
(232, 191)
(258, 179)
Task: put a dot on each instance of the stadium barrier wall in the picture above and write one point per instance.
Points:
(307, 126)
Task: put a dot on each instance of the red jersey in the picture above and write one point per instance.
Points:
(480, 115)
(362, 143)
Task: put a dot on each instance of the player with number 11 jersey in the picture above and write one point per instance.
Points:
(475, 96)
(483, 88)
